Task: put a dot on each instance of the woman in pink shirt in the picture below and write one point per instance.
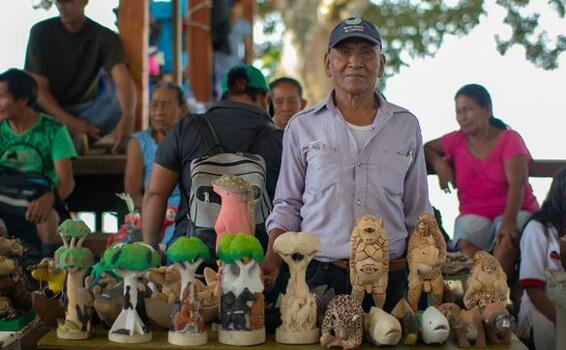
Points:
(488, 164)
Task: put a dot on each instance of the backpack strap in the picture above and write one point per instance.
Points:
(213, 142)
(261, 132)
(210, 137)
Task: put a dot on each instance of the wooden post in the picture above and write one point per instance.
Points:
(133, 24)
(249, 11)
(177, 42)
(199, 48)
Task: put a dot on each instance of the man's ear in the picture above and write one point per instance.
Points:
(265, 101)
(327, 64)
(382, 61)
(303, 103)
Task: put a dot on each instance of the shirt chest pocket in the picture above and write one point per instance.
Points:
(393, 167)
(323, 165)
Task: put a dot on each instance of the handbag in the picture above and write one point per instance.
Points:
(18, 189)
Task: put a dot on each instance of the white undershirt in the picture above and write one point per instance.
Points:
(360, 133)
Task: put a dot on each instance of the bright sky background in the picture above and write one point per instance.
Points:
(531, 100)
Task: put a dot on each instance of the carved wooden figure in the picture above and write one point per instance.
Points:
(241, 301)
(188, 324)
(498, 323)
(453, 314)
(237, 213)
(130, 261)
(298, 305)
(369, 259)
(76, 260)
(435, 328)
(487, 283)
(14, 300)
(426, 254)
(382, 328)
(406, 316)
(342, 325)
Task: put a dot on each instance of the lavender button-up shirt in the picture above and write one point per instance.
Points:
(326, 182)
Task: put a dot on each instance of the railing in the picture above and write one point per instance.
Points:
(538, 168)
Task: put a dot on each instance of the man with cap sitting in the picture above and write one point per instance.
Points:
(352, 154)
(236, 120)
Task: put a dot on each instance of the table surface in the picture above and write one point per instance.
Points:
(159, 341)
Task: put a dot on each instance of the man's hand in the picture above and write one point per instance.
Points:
(79, 126)
(39, 209)
(445, 174)
(270, 269)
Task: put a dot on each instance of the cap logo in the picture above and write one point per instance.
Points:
(353, 21)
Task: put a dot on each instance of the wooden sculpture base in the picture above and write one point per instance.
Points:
(187, 339)
(304, 337)
(241, 338)
(73, 335)
(129, 339)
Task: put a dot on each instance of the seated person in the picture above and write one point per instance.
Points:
(286, 100)
(488, 164)
(65, 55)
(167, 107)
(540, 250)
(32, 142)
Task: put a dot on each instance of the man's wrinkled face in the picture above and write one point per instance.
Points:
(71, 11)
(354, 65)
(286, 102)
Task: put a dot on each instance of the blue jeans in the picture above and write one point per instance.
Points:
(104, 112)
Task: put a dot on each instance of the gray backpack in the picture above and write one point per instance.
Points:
(204, 203)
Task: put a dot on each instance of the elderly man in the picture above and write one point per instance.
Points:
(352, 154)
(65, 55)
(286, 100)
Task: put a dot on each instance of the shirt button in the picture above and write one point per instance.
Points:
(359, 164)
(358, 202)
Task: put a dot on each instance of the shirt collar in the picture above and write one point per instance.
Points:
(385, 108)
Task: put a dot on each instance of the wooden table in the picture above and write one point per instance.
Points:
(159, 341)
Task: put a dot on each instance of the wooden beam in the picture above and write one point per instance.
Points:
(177, 38)
(545, 167)
(133, 24)
(538, 167)
(199, 48)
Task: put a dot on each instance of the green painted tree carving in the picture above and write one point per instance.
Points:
(129, 260)
(187, 253)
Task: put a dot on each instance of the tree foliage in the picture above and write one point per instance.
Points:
(540, 47)
(68, 258)
(188, 249)
(136, 256)
(70, 228)
(239, 246)
(410, 28)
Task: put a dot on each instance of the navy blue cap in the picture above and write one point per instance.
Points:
(354, 27)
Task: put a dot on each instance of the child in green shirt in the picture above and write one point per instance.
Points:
(32, 142)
